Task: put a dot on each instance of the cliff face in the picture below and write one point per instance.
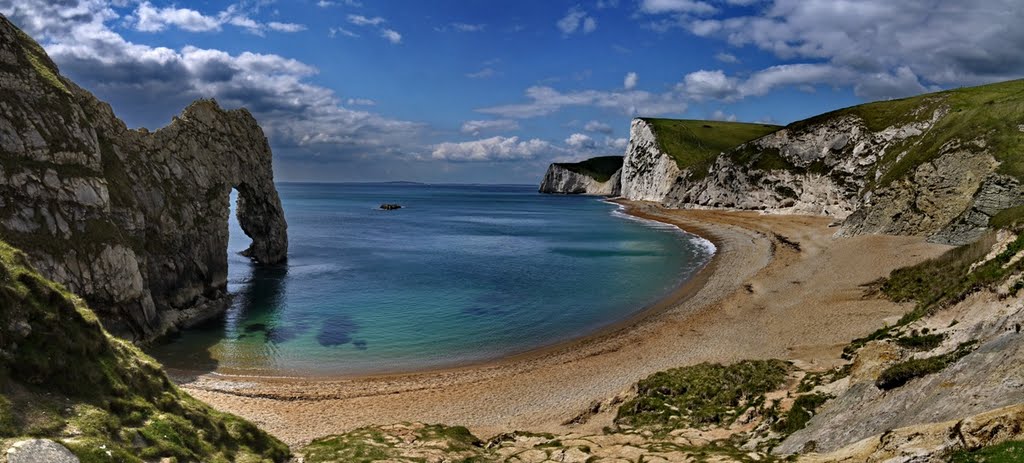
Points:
(938, 165)
(134, 221)
(560, 180)
(647, 172)
(595, 176)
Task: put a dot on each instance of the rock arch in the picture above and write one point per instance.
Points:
(133, 221)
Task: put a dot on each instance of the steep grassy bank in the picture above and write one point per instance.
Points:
(63, 377)
(694, 144)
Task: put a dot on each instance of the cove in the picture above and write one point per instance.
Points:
(459, 275)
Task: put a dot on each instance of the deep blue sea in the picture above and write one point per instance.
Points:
(460, 274)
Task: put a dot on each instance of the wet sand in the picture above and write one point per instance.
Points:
(761, 296)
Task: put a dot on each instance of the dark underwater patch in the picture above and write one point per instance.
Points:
(359, 344)
(280, 334)
(255, 327)
(337, 330)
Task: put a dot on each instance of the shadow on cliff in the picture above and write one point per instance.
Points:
(189, 353)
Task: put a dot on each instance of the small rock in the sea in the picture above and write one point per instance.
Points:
(390, 206)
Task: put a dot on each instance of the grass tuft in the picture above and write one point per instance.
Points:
(701, 395)
(802, 411)
(903, 372)
(1006, 452)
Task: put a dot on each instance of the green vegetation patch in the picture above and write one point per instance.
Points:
(1007, 218)
(1006, 452)
(902, 372)
(600, 168)
(990, 113)
(701, 395)
(369, 444)
(62, 375)
(694, 144)
(41, 62)
(948, 279)
(815, 379)
(922, 342)
(802, 411)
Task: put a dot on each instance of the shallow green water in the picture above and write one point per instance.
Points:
(460, 274)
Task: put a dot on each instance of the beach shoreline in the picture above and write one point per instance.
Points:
(729, 310)
(678, 295)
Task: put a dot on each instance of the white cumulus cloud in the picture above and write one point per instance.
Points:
(475, 127)
(543, 100)
(576, 19)
(629, 83)
(597, 126)
(492, 149)
(580, 141)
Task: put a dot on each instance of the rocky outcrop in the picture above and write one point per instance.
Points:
(39, 451)
(133, 221)
(794, 170)
(895, 168)
(932, 442)
(560, 180)
(69, 390)
(987, 323)
(648, 173)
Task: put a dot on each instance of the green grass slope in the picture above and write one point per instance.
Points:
(992, 114)
(63, 377)
(694, 144)
(600, 168)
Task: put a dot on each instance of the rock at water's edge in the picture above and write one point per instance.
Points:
(133, 221)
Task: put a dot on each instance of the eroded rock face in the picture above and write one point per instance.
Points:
(835, 165)
(560, 180)
(985, 379)
(933, 442)
(133, 221)
(648, 173)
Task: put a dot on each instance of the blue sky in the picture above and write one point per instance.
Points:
(492, 91)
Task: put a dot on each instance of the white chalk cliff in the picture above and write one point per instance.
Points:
(835, 165)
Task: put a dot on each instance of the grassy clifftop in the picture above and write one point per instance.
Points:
(990, 115)
(600, 168)
(694, 143)
(63, 377)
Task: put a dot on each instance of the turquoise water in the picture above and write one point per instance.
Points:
(460, 274)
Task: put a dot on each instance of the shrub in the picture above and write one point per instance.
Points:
(700, 395)
(902, 372)
(921, 342)
(803, 409)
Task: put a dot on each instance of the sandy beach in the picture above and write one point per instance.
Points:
(778, 287)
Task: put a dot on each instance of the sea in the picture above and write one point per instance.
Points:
(461, 274)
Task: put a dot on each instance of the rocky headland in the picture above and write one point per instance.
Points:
(939, 165)
(133, 221)
(595, 176)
